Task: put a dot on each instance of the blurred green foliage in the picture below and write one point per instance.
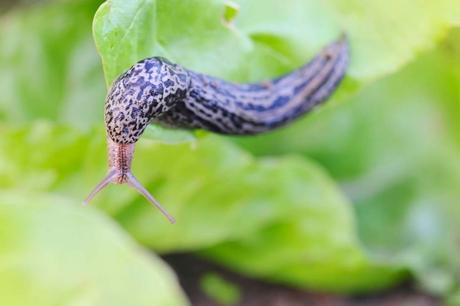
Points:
(53, 253)
(220, 289)
(48, 65)
(276, 206)
(393, 149)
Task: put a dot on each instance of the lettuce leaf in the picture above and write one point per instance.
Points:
(394, 150)
(279, 218)
(53, 252)
(48, 65)
(218, 194)
(266, 38)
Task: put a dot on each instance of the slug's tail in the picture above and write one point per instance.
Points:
(297, 93)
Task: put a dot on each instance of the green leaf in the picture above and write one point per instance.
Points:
(48, 65)
(310, 251)
(210, 184)
(278, 35)
(394, 149)
(219, 289)
(126, 32)
(53, 252)
(218, 194)
(412, 209)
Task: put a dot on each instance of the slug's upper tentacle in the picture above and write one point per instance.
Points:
(230, 108)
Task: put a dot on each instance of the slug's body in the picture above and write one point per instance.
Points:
(155, 90)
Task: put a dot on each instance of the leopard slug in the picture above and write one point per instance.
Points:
(155, 90)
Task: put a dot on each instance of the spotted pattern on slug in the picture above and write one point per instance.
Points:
(150, 87)
(155, 90)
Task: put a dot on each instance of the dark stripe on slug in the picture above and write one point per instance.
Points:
(225, 121)
(335, 79)
(204, 122)
(306, 75)
(311, 69)
(206, 119)
(304, 98)
(331, 81)
(326, 84)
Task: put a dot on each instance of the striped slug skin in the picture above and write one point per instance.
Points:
(155, 90)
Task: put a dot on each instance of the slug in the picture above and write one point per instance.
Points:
(155, 90)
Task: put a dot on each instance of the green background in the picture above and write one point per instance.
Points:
(354, 198)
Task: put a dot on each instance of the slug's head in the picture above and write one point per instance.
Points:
(144, 92)
(147, 90)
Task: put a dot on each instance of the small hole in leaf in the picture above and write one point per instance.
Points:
(231, 9)
(220, 290)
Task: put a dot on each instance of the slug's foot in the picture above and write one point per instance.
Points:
(128, 178)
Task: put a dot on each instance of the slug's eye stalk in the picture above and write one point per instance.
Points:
(120, 158)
